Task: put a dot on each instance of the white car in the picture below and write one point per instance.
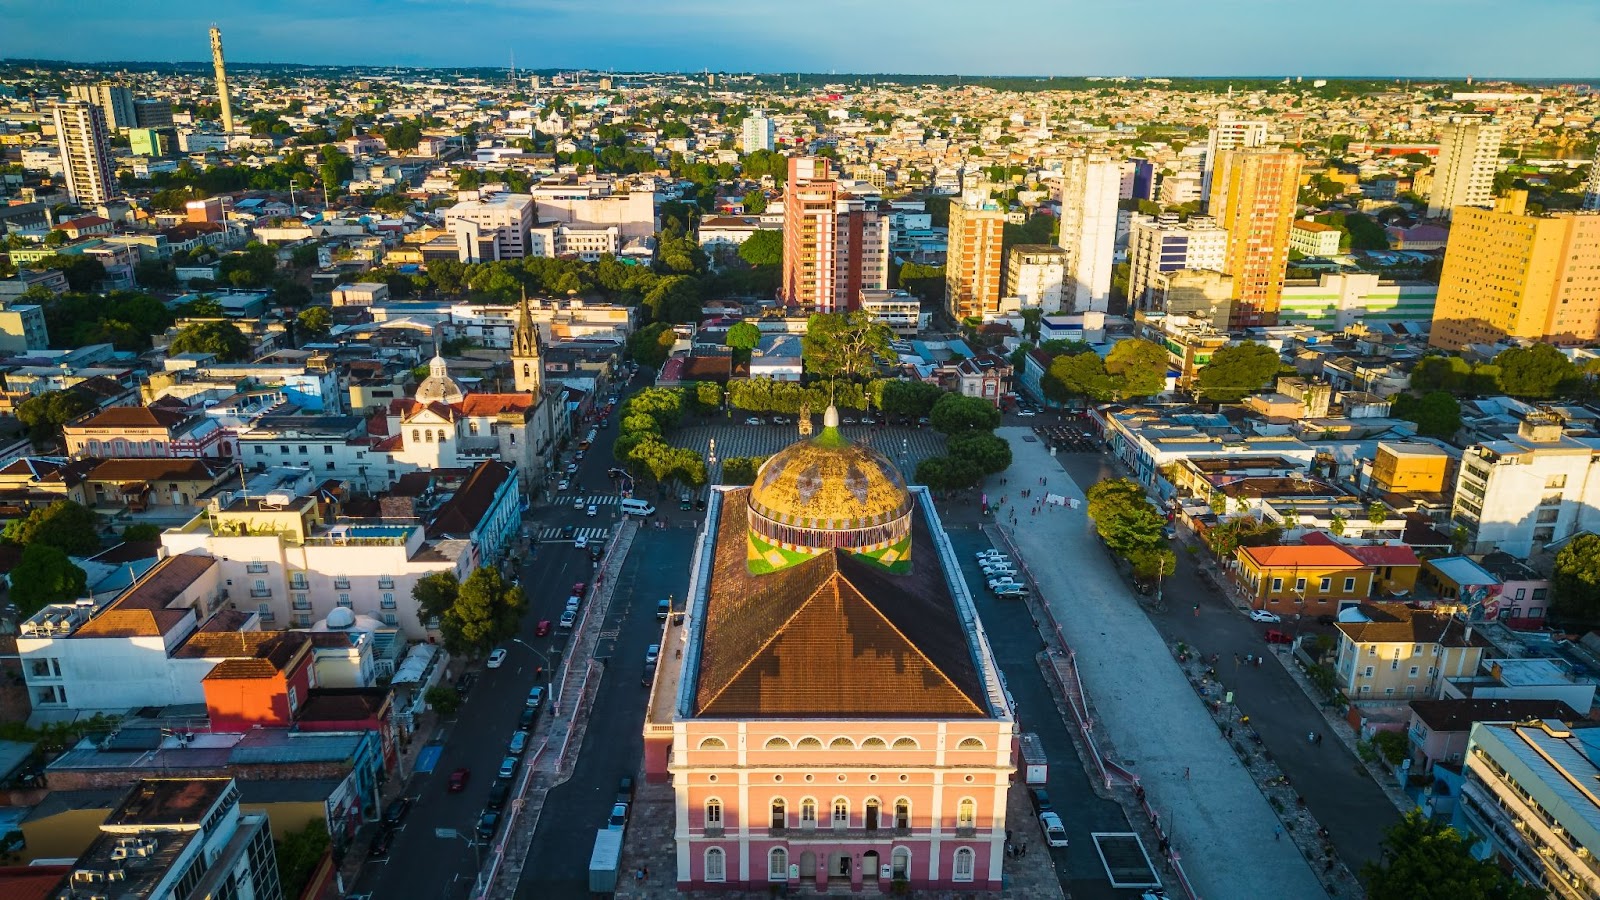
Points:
(497, 657)
(868, 420)
(1054, 833)
(1261, 615)
(990, 554)
(1026, 412)
(563, 484)
(580, 541)
(753, 420)
(592, 511)
(580, 502)
(1004, 584)
(1000, 570)
(1012, 591)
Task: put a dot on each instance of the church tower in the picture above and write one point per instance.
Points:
(526, 365)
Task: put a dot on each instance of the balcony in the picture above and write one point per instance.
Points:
(303, 605)
(260, 593)
(385, 584)
(256, 568)
(341, 584)
(299, 584)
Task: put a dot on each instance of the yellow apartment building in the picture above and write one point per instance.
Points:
(1511, 274)
(1253, 196)
(972, 262)
(1410, 468)
(1401, 653)
(1309, 579)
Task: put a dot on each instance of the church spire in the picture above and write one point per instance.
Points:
(526, 366)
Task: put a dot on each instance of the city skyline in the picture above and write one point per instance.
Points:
(725, 36)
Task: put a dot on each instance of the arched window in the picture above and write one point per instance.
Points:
(715, 869)
(841, 743)
(429, 433)
(873, 743)
(713, 743)
(970, 743)
(810, 743)
(776, 743)
(963, 869)
(967, 813)
(416, 435)
(902, 814)
(808, 813)
(441, 436)
(524, 370)
(778, 864)
(871, 821)
(780, 813)
(906, 743)
(841, 812)
(902, 863)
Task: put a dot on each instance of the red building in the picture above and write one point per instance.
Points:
(353, 709)
(266, 689)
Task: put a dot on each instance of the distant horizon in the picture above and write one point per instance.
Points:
(1436, 39)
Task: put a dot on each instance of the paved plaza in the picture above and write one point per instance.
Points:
(904, 446)
(1149, 717)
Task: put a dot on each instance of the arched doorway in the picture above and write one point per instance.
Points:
(841, 866)
(901, 861)
(808, 865)
(869, 867)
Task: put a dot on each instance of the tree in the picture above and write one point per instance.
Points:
(67, 525)
(755, 203)
(955, 413)
(947, 473)
(435, 593)
(1237, 371)
(444, 698)
(914, 399)
(1536, 372)
(44, 414)
(314, 322)
(926, 282)
(741, 469)
(763, 248)
(844, 344)
(1425, 860)
(1153, 564)
(1576, 580)
(299, 854)
(1125, 520)
(43, 576)
(743, 337)
(1073, 375)
(336, 169)
(675, 298)
(1437, 413)
(989, 453)
(486, 611)
(1138, 368)
(82, 272)
(221, 338)
(141, 533)
(651, 345)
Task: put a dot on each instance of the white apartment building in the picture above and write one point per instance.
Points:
(490, 226)
(1035, 275)
(114, 100)
(332, 447)
(759, 132)
(85, 146)
(1232, 132)
(1091, 185)
(586, 243)
(1469, 156)
(1162, 245)
(730, 231)
(1522, 493)
(901, 311)
(1528, 794)
(1314, 238)
(596, 204)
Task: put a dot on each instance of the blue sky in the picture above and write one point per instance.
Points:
(1485, 38)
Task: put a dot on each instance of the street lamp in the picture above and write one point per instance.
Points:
(549, 667)
(446, 834)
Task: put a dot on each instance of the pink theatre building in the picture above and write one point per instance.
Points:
(828, 709)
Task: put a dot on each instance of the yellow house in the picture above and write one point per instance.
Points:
(1410, 468)
(1399, 653)
(1312, 579)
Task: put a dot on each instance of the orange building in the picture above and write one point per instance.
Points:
(1253, 196)
(834, 246)
(266, 689)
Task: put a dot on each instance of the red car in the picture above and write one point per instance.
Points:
(458, 780)
(542, 629)
(1274, 636)
(579, 589)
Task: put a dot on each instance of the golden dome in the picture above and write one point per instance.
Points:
(827, 493)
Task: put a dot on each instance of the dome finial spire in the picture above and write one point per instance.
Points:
(830, 417)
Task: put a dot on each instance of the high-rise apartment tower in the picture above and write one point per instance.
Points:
(1230, 133)
(85, 146)
(222, 79)
(834, 246)
(758, 132)
(972, 259)
(114, 100)
(1253, 194)
(1469, 155)
(1091, 185)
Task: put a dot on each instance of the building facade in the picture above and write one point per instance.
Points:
(84, 143)
(1397, 653)
(1469, 156)
(491, 226)
(1036, 275)
(972, 261)
(1164, 244)
(1524, 492)
(1253, 197)
(759, 132)
(1091, 185)
(834, 246)
(1314, 238)
(1232, 132)
(1509, 274)
(114, 100)
(1336, 302)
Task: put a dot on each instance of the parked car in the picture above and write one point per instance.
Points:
(568, 619)
(535, 697)
(1026, 412)
(488, 824)
(1054, 833)
(1261, 615)
(1274, 636)
(395, 812)
(868, 420)
(574, 602)
(998, 581)
(1011, 593)
(619, 817)
(571, 468)
(499, 792)
(754, 420)
(541, 629)
(381, 842)
(518, 743)
(1040, 799)
(663, 609)
(563, 484)
(581, 541)
(459, 779)
(497, 658)
(508, 767)
(581, 588)
(1000, 569)
(526, 720)
(651, 654)
(625, 789)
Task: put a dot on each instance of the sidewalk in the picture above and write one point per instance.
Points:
(355, 855)
(1148, 718)
(552, 763)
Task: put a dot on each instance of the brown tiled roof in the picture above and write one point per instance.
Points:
(343, 704)
(467, 507)
(269, 657)
(133, 417)
(1459, 714)
(182, 469)
(142, 611)
(833, 636)
(478, 405)
(1396, 623)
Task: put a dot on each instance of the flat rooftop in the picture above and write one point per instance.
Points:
(169, 801)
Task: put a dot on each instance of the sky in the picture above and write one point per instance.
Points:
(1483, 38)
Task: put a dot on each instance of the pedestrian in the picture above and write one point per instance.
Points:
(1185, 773)
(1024, 848)
(1230, 732)
(1197, 610)
(1277, 832)
(647, 871)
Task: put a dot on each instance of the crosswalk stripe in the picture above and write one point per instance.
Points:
(593, 534)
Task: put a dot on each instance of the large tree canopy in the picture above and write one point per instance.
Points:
(43, 576)
(1536, 372)
(221, 338)
(844, 344)
(1424, 860)
(1237, 371)
(1577, 580)
(955, 413)
(1437, 414)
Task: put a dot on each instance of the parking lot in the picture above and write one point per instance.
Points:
(905, 446)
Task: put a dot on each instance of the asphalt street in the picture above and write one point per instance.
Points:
(1338, 791)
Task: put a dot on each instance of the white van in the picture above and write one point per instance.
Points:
(632, 507)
